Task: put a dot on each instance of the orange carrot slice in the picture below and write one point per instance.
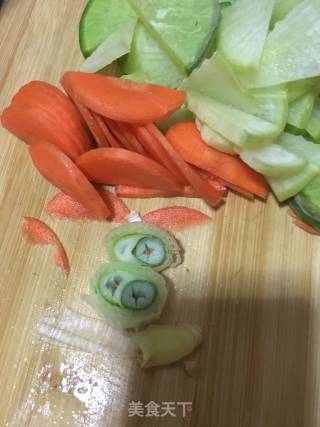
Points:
(116, 132)
(306, 227)
(39, 233)
(113, 142)
(177, 218)
(292, 213)
(131, 138)
(131, 192)
(201, 186)
(93, 126)
(33, 125)
(117, 166)
(57, 168)
(122, 100)
(57, 104)
(186, 139)
(62, 206)
(157, 152)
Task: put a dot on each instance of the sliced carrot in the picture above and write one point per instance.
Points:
(306, 227)
(201, 186)
(33, 125)
(39, 233)
(93, 126)
(131, 138)
(292, 213)
(157, 152)
(113, 142)
(177, 218)
(148, 193)
(57, 168)
(116, 132)
(122, 100)
(62, 206)
(37, 93)
(186, 139)
(117, 166)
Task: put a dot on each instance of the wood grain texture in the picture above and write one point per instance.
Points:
(250, 279)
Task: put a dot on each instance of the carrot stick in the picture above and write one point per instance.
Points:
(39, 233)
(57, 168)
(113, 142)
(157, 152)
(306, 227)
(42, 94)
(93, 126)
(32, 125)
(131, 138)
(292, 213)
(117, 166)
(186, 139)
(114, 129)
(202, 187)
(177, 218)
(122, 100)
(131, 192)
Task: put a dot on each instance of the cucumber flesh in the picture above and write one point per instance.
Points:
(116, 45)
(272, 105)
(286, 187)
(215, 78)
(184, 29)
(100, 19)
(282, 8)
(313, 125)
(148, 60)
(242, 129)
(301, 87)
(300, 110)
(214, 139)
(301, 147)
(274, 161)
(243, 31)
(292, 48)
(123, 249)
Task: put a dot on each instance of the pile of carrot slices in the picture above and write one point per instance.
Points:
(103, 132)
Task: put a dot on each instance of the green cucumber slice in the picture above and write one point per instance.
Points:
(100, 19)
(214, 139)
(243, 31)
(273, 160)
(215, 78)
(300, 110)
(127, 242)
(184, 29)
(313, 125)
(138, 295)
(286, 187)
(147, 58)
(114, 47)
(150, 251)
(121, 312)
(301, 147)
(306, 204)
(292, 49)
(242, 129)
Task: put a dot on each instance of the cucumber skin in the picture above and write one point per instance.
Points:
(303, 215)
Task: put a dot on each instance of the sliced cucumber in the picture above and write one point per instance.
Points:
(242, 129)
(282, 8)
(301, 147)
(273, 161)
(215, 78)
(145, 245)
(313, 125)
(272, 105)
(292, 49)
(148, 59)
(128, 296)
(306, 204)
(300, 110)
(184, 29)
(243, 31)
(100, 19)
(286, 187)
(214, 139)
(114, 47)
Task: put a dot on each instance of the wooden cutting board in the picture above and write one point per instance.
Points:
(251, 280)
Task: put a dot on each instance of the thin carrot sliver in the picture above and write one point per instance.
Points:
(306, 227)
(131, 138)
(131, 192)
(113, 142)
(114, 128)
